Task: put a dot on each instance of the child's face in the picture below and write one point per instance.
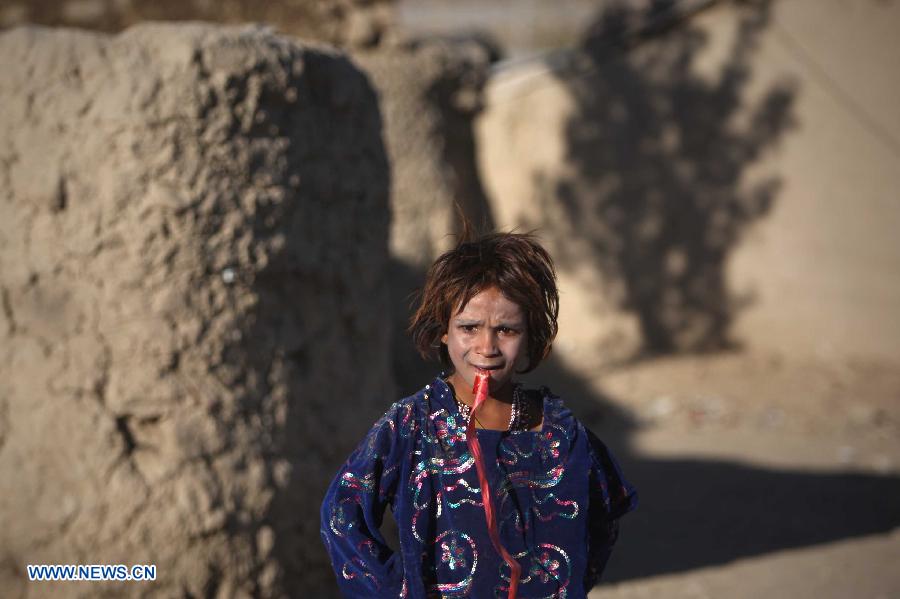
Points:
(489, 333)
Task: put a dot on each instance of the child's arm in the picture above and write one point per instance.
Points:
(611, 497)
(353, 509)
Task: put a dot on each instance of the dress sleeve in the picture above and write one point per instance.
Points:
(610, 498)
(353, 508)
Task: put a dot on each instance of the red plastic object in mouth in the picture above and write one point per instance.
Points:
(480, 390)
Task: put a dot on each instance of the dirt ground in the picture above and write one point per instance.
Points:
(760, 475)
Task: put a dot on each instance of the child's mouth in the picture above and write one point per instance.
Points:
(486, 369)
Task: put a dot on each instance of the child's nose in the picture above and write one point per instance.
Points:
(487, 343)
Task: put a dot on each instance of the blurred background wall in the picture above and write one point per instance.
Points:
(717, 181)
(342, 22)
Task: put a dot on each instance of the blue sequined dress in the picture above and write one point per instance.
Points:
(557, 492)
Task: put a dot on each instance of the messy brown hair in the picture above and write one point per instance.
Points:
(514, 263)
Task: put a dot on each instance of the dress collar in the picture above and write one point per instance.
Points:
(439, 393)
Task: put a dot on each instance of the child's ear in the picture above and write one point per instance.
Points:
(444, 338)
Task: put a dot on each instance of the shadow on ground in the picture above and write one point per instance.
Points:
(697, 513)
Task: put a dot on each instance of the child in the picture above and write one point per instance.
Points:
(554, 493)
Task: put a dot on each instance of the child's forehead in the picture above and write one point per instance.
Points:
(489, 302)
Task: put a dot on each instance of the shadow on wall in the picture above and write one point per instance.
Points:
(658, 152)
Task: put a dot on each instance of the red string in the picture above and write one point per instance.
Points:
(480, 390)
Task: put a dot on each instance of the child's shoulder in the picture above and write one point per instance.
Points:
(434, 396)
(401, 415)
(553, 407)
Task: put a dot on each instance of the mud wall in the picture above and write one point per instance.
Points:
(193, 234)
(421, 186)
(350, 23)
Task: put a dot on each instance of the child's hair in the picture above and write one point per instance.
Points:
(514, 263)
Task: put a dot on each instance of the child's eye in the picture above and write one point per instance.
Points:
(469, 328)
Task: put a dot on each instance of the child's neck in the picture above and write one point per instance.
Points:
(463, 391)
(494, 413)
